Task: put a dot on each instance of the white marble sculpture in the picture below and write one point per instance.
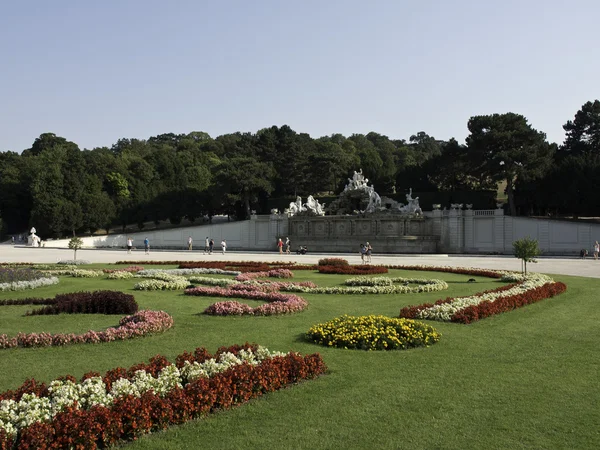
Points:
(314, 207)
(358, 181)
(374, 200)
(412, 206)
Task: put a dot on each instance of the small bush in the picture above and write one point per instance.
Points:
(335, 262)
(98, 302)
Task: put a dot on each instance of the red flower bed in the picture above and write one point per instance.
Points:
(130, 417)
(241, 266)
(353, 270)
(486, 308)
(410, 312)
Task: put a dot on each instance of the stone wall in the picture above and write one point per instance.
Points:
(453, 231)
(386, 234)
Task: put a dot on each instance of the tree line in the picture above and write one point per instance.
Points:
(62, 189)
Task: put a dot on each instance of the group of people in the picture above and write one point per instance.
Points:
(146, 245)
(208, 245)
(583, 253)
(365, 253)
(288, 246)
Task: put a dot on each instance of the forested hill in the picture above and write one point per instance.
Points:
(62, 189)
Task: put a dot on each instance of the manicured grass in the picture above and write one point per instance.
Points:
(524, 379)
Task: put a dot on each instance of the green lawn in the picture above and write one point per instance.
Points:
(524, 379)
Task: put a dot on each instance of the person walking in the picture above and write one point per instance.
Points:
(223, 246)
(211, 244)
(288, 245)
(190, 242)
(368, 254)
(206, 245)
(596, 249)
(363, 252)
(147, 246)
(280, 246)
(129, 244)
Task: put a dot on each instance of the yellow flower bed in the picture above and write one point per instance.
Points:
(373, 333)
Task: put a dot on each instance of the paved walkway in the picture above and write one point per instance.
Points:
(567, 266)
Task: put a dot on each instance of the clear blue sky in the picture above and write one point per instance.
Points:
(97, 71)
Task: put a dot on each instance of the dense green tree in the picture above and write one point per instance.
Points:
(583, 132)
(242, 179)
(504, 147)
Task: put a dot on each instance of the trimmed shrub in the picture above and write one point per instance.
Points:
(336, 262)
(98, 302)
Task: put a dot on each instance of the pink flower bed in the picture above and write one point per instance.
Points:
(275, 273)
(124, 269)
(139, 324)
(278, 303)
(270, 286)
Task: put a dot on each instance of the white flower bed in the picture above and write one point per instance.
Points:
(386, 281)
(183, 272)
(120, 275)
(222, 282)
(33, 284)
(427, 286)
(74, 262)
(80, 273)
(162, 285)
(30, 409)
(445, 311)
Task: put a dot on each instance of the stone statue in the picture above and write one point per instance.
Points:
(313, 206)
(33, 230)
(358, 181)
(374, 200)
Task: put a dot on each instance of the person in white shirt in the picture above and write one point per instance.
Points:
(129, 245)
(223, 245)
(206, 245)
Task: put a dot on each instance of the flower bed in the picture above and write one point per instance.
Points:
(278, 303)
(74, 262)
(275, 273)
(162, 285)
(134, 269)
(120, 275)
(373, 333)
(240, 266)
(353, 270)
(21, 278)
(122, 405)
(152, 273)
(422, 285)
(22, 285)
(139, 324)
(531, 288)
(98, 302)
(460, 270)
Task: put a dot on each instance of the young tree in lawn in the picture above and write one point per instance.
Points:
(75, 244)
(526, 250)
